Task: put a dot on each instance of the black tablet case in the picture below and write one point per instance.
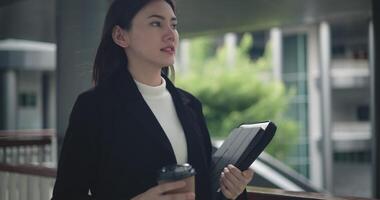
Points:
(241, 148)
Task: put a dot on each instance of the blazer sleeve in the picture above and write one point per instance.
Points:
(203, 125)
(77, 163)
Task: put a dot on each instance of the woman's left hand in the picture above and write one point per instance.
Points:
(233, 181)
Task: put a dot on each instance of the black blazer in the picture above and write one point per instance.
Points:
(114, 145)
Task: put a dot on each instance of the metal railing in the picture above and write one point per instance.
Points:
(26, 182)
(24, 157)
(259, 193)
(28, 178)
(29, 182)
(28, 147)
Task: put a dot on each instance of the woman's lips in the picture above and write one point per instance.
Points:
(170, 50)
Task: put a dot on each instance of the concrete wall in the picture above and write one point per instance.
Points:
(29, 20)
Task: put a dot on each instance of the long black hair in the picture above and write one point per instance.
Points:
(109, 55)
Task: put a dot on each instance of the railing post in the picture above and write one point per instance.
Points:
(28, 154)
(5, 155)
(40, 154)
(18, 153)
(54, 150)
(35, 154)
(13, 155)
(2, 154)
(22, 155)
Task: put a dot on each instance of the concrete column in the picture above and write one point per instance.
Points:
(276, 47)
(78, 27)
(48, 100)
(314, 107)
(230, 40)
(52, 99)
(325, 53)
(10, 99)
(45, 99)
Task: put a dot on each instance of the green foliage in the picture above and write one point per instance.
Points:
(201, 50)
(241, 93)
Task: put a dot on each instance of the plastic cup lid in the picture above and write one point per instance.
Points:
(175, 172)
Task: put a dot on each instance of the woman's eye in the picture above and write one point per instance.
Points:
(158, 24)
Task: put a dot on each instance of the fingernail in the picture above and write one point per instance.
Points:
(230, 166)
(225, 169)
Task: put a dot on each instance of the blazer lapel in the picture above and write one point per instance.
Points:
(134, 104)
(188, 122)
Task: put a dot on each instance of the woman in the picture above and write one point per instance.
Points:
(134, 121)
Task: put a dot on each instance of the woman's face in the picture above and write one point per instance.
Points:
(153, 37)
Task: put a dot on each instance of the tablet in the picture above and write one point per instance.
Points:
(241, 148)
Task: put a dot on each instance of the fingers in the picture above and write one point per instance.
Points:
(226, 192)
(237, 173)
(231, 181)
(182, 196)
(160, 192)
(245, 176)
(248, 174)
(166, 187)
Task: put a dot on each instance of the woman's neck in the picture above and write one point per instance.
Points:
(144, 74)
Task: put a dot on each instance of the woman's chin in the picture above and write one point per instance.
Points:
(165, 64)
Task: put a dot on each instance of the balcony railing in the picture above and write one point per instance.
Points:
(29, 179)
(26, 182)
(28, 147)
(259, 193)
(22, 155)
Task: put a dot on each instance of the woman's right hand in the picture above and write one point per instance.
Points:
(158, 192)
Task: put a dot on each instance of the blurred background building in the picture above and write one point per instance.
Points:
(296, 54)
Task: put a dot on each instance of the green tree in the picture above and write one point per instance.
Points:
(242, 93)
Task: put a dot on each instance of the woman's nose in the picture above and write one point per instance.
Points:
(170, 34)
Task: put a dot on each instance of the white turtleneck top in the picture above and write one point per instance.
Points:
(161, 103)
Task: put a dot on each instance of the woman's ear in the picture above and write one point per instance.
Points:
(119, 36)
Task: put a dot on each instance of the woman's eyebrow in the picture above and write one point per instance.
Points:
(162, 17)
